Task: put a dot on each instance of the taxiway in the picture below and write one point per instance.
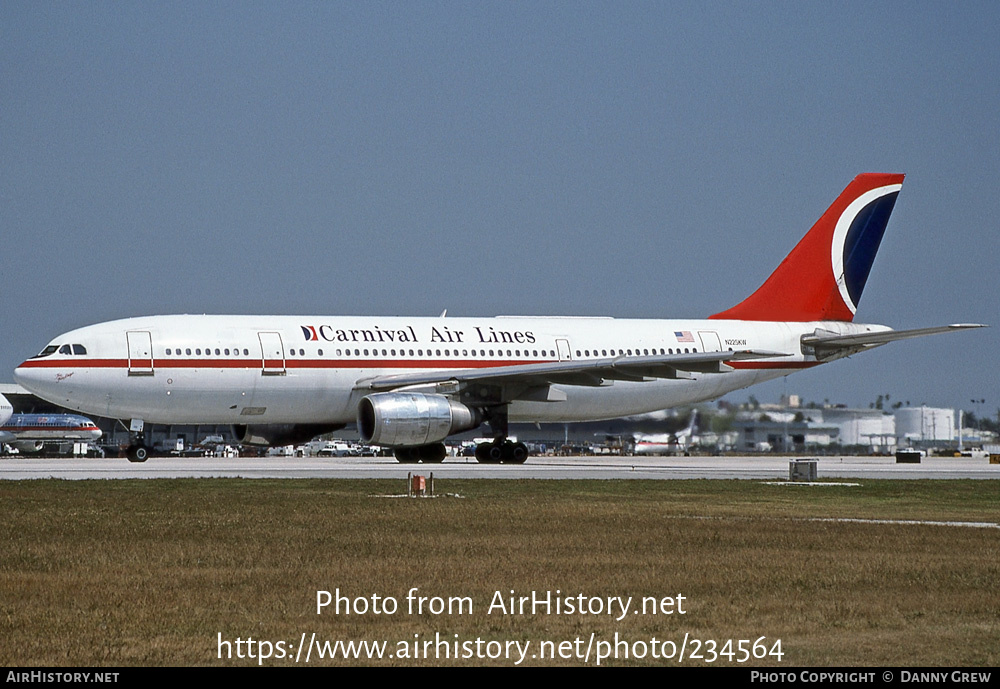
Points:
(617, 468)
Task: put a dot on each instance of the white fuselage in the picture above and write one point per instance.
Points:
(311, 369)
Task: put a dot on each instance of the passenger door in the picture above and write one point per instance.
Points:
(140, 353)
(710, 341)
(272, 352)
(564, 352)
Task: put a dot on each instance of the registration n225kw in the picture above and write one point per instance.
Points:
(409, 383)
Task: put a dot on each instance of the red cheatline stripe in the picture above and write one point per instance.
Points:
(256, 364)
(81, 363)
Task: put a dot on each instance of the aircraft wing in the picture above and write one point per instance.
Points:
(590, 372)
(832, 346)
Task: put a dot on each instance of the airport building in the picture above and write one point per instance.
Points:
(871, 428)
(922, 425)
(782, 428)
(768, 434)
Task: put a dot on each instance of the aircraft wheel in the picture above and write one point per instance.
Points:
(137, 453)
(484, 453)
(433, 454)
(406, 455)
(518, 453)
(428, 454)
(496, 452)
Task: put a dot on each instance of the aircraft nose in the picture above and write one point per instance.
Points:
(31, 378)
(19, 374)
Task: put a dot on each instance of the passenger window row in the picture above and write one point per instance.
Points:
(636, 352)
(208, 352)
(188, 351)
(468, 353)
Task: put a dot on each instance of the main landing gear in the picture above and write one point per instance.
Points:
(428, 454)
(501, 450)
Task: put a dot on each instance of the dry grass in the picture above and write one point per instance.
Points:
(150, 572)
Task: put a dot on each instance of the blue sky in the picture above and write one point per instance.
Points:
(571, 158)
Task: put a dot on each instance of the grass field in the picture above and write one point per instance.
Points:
(152, 572)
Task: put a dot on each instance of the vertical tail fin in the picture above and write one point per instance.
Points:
(823, 276)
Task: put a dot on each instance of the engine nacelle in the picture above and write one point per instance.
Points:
(281, 433)
(410, 419)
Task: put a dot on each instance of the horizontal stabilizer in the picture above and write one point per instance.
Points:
(826, 346)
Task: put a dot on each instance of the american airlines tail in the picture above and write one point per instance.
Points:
(824, 275)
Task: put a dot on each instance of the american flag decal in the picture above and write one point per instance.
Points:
(683, 336)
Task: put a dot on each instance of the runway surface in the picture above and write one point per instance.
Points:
(759, 468)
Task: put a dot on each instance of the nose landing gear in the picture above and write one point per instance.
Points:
(137, 450)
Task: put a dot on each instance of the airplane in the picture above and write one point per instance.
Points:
(6, 411)
(30, 432)
(665, 443)
(411, 382)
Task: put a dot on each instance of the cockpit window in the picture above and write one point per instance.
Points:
(65, 350)
(47, 351)
(79, 349)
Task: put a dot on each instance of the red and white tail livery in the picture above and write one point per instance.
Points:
(824, 275)
(410, 382)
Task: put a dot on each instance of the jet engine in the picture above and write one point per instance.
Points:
(282, 433)
(410, 419)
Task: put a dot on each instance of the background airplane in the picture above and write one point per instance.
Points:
(31, 432)
(6, 410)
(666, 443)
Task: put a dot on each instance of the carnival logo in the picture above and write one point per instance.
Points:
(380, 334)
